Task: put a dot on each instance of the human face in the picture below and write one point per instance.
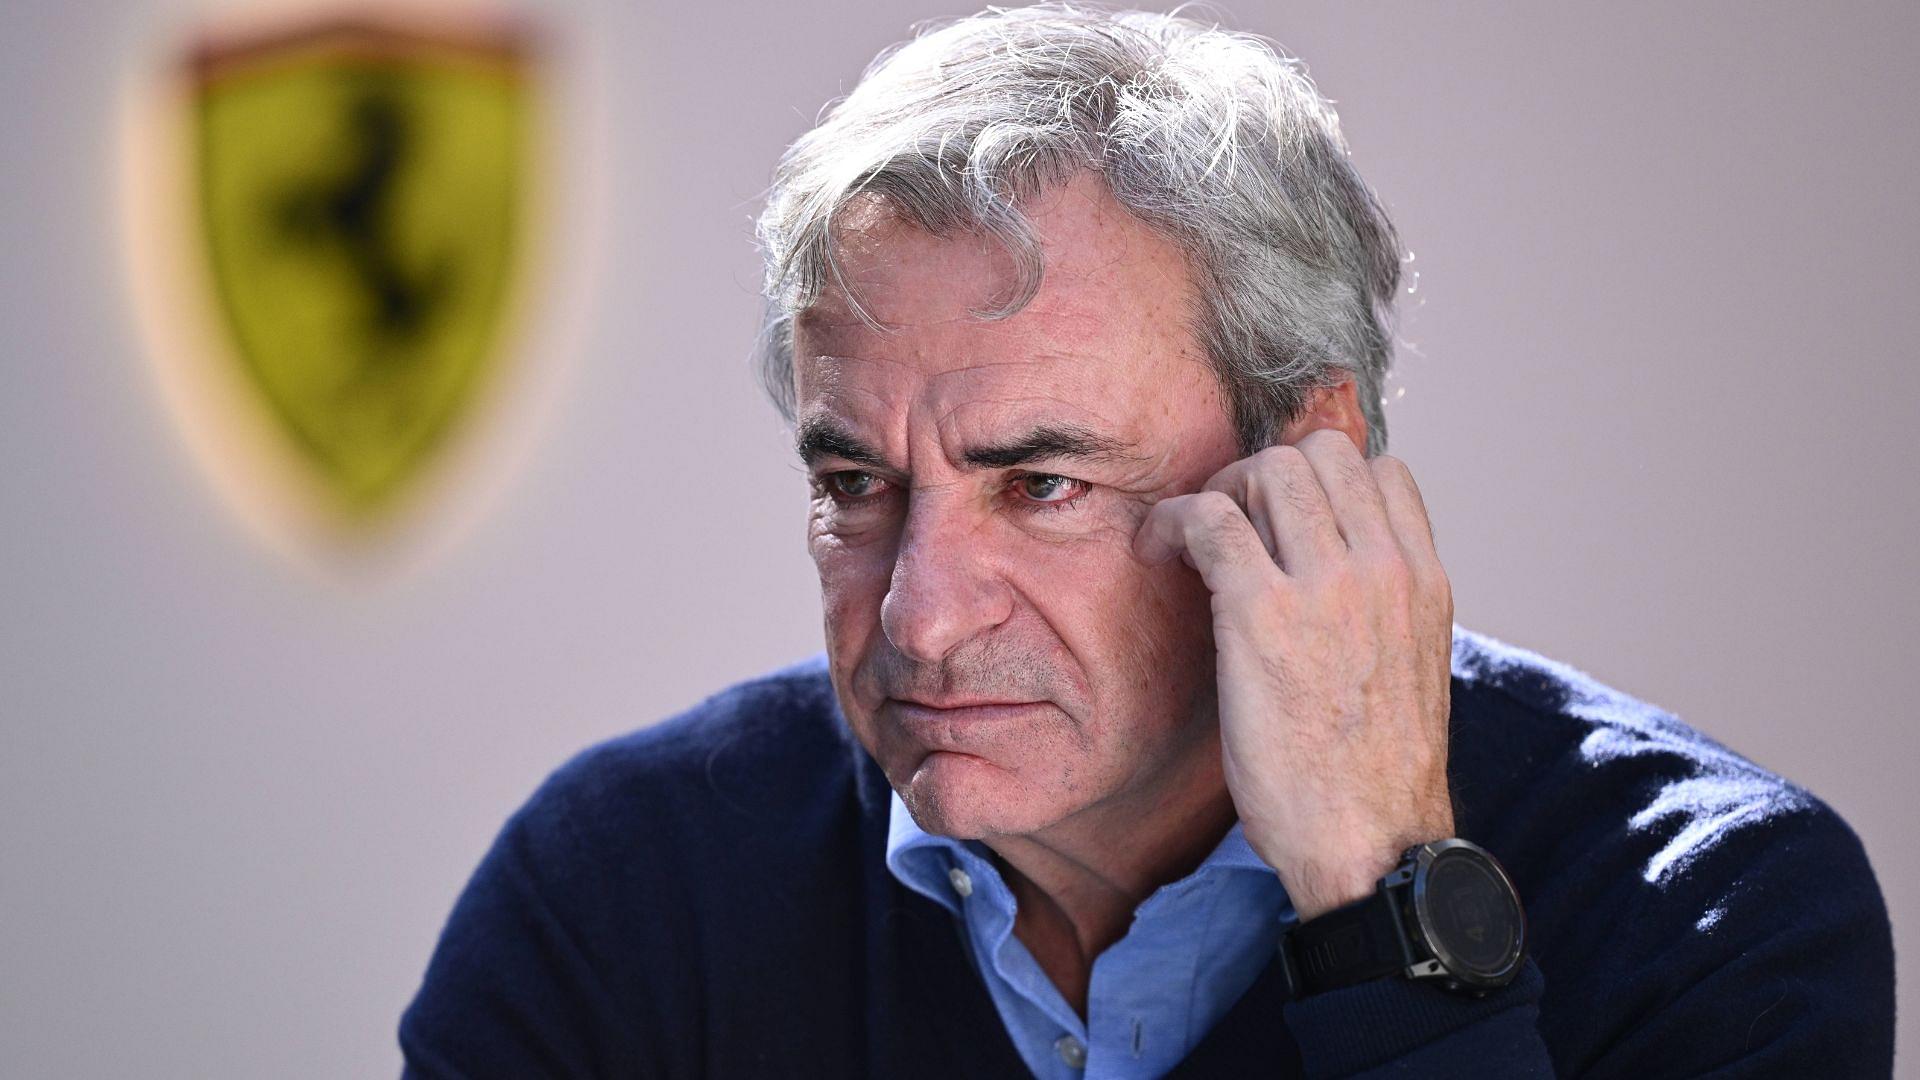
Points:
(976, 487)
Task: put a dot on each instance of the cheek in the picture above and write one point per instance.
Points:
(1124, 598)
(853, 584)
(1143, 635)
(1173, 646)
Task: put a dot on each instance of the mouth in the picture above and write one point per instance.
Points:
(958, 714)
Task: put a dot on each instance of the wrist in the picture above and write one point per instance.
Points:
(1315, 890)
(1321, 880)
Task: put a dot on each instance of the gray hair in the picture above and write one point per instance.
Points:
(1213, 138)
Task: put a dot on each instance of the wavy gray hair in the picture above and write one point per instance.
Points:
(1214, 138)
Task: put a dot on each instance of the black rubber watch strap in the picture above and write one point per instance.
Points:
(1348, 945)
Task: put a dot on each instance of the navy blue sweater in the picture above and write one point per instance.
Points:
(707, 897)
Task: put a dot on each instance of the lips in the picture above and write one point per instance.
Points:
(960, 703)
(960, 714)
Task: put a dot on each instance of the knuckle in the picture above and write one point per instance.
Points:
(1392, 571)
(1333, 448)
(1227, 477)
(1278, 454)
(1388, 465)
(1209, 549)
(1302, 495)
(1354, 474)
(1426, 582)
(1281, 466)
(1169, 508)
(1215, 509)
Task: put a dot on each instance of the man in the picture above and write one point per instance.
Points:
(1144, 743)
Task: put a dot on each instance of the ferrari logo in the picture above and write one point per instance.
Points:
(361, 194)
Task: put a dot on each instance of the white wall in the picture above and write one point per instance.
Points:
(1658, 400)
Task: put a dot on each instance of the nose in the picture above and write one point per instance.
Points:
(944, 590)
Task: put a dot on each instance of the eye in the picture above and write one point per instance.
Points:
(1050, 492)
(851, 484)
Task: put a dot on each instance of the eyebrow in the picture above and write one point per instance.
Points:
(821, 437)
(1048, 442)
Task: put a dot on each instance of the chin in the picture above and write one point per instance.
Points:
(968, 797)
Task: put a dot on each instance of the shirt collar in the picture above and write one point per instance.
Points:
(908, 848)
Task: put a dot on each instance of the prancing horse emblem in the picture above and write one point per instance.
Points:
(362, 193)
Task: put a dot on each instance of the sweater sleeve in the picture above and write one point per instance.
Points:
(1779, 963)
(1399, 1027)
(1768, 955)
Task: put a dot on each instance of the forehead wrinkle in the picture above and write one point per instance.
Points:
(827, 382)
(1047, 306)
(832, 361)
(968, 367)
(1101, 424)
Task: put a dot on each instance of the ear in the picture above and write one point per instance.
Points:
(1332, 407)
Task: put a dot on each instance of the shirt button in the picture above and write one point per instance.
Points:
(1071, 1052)
(962, 884)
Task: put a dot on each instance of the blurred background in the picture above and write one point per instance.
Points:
(1655, 381)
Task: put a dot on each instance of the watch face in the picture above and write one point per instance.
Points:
(1470, 916)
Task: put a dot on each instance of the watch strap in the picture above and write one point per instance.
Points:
(1353, 944)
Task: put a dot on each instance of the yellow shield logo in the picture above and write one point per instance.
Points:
(361, 197)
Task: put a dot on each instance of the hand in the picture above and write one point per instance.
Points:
(1333, 630)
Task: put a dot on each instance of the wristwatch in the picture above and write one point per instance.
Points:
(1448, 913)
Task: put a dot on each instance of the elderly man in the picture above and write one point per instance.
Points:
(1144, 743)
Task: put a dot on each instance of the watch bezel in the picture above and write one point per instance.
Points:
(1449, 964)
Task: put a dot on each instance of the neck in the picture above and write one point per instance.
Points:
(1077, 882)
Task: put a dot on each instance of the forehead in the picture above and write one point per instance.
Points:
(1107, 337)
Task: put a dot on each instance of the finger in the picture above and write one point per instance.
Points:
(1413, 530)
(1214, 533)
(1281, 492)
(1406, 510)
(1236, 482)
(1359, 506)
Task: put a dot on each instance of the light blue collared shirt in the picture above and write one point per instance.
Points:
(1194, 948)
